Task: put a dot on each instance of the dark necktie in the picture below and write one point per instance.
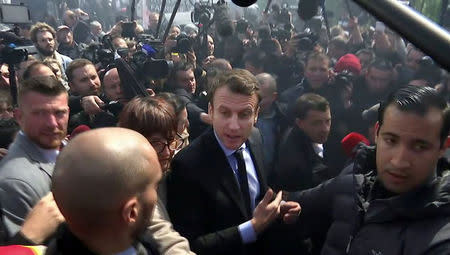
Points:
(243, 181)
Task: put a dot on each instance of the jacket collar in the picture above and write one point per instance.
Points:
(381, 206)
(31, 149)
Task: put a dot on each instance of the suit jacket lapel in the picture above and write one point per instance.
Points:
(224, 172)
(34, 154)
(255, 143)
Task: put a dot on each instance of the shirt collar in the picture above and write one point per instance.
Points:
(227, 151)
(129, 251)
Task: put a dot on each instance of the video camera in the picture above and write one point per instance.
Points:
(13, 55)
(306, 40)
(203, 13)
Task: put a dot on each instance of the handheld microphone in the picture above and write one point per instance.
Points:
(78, 130)
(351, 141)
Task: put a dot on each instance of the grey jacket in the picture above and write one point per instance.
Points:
(25, 177)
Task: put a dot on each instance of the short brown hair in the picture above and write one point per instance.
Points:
(148, 116)
(77, 63)
(239, 81)
(46, 85)
(317, 56)
(41, 27)
(308, 102)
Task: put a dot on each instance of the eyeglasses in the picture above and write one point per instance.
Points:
(159, 146)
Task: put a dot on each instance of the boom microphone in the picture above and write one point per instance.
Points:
(351, 141)
(307, 9)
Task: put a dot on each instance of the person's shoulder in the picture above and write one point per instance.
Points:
(65, 59)
(196, 150)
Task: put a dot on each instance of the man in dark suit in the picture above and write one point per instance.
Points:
(217, 184)
(301, 163)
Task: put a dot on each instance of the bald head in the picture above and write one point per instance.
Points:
(267, 82)
(99, 171)
(111, 85)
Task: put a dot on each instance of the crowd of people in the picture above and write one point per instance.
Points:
(270, 139)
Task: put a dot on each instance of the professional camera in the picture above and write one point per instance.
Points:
(306, 40)
(146, 66)
(184, 44)
(282, 33)
(12, 55)
(242, 26)
(202, 13)
(96, 53)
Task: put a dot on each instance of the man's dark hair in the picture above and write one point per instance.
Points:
(418, 100)
(308, 102)
(255, 58)
(239, 81)
(381, 64)
(178, 67)
(174, 100)
(340, 43)
(46, 85)
(8, 131)
(77, 63)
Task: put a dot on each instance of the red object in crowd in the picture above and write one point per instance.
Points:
(350, 141)
(78, 130)
(348, 62)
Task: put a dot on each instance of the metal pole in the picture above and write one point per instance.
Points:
(161, 16)
(423, 33)
(325, 17)
(172, 17)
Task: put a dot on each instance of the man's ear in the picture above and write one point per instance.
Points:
(299, 123)
(130, 211)
(18, 115)
(256, 115)
(210, 109)
(377, 129)
(445, 146)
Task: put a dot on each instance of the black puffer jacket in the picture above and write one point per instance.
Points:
(358, 216)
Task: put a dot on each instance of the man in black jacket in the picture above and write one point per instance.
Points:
(397, 201)
(182, 83)
(300, 164)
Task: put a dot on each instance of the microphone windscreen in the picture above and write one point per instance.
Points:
(243, 3)
(350, 141)
(307, 9)
(78, 130)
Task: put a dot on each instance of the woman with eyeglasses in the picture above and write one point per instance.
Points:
(155, 119)
(182, 118)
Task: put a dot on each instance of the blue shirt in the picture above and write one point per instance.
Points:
(246, 229)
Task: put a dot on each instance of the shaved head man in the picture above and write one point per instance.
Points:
(105, 184)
